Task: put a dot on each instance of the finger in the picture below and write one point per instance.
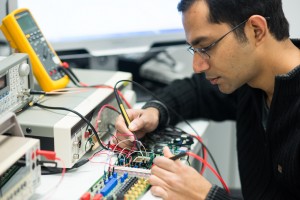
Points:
(165, 163)
(167, 152)
(123, 144)
(159, 192)
(156, 181)
(136, 124)
(122, 140)
(162, 173)
(121, 126)
(133, 113)
(140, 134)
(125, 136)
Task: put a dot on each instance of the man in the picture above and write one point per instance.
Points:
(249, 73)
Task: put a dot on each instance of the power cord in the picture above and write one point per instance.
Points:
(77, 113)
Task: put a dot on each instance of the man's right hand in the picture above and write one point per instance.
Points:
(142, 121)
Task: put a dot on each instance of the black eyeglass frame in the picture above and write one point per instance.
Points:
(203, 51)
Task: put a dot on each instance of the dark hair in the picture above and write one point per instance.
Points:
(234, 12)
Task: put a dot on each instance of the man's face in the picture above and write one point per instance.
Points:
(230, 63)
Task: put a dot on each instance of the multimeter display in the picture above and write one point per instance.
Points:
(26, 22)
(37, 41)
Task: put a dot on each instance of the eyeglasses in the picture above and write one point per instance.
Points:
(203, 51)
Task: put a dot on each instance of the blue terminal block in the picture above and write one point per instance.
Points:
(112, 183)
(125, 175)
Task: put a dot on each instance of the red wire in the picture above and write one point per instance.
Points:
(83, 84)
(99, 115)
(101, 162)
(63, 170)
(100, 111)
(119, 149)
(67, 66)
(211, 169)
(204, 153)
(101, 152)
(110, 87)
(51, 155)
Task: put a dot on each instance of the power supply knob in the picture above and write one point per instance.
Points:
(24, 69)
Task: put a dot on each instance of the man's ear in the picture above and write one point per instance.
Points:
(258, 28)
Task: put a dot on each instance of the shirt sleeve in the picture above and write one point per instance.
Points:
(217, 193)
(164, 117)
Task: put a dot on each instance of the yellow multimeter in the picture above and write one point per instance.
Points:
(24, 35)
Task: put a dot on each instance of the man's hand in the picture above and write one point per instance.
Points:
(175, 180)
(142, 122)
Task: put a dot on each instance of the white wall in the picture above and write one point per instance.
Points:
(291, 10)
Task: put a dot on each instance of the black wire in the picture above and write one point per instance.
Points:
(109, 131)
(170, 58)
(179, 129)
(119, 101)
(178, 115)
(53, 170)
(80, 163)
(37, 92)
(172, 62)
(110, 124)
(75, 80)
(71, 75)
(77, 113)
(188, 160)
(113, 110)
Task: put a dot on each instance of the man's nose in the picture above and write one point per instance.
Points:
(199, 63)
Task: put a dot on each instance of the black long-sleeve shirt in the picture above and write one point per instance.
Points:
(268, 159)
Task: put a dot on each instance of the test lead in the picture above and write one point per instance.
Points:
(180, 155)
(125, 115)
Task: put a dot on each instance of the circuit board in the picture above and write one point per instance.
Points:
(128, 178)
(177, 140)
(118, 185)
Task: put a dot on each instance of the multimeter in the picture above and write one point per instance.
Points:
(24, 35)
